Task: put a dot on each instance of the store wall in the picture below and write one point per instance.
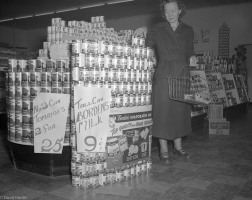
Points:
(237, 17)
(35, 38)
(17, 38)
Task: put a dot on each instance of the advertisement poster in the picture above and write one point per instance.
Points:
(216, 88)
(241, 88)
(50, 113)
(231, 90)
(129, 136)
(91, 109)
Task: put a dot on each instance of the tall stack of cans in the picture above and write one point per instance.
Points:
(127, 70)
(24, 80)
(60, 30)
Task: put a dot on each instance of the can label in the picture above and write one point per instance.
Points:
(119, 101)
(26, 93)
(45, 89)
(56, 79)
(18, 106)
(76, 73)
(18, 119)
(76, 46)
(12, 119)
(11, 78)
(107, 61)
(25, 78)
(26, 134)
(11, 92)
(91, 60)
(18, 92)
(26, 120)
(35, 78)
(60, 65)
(130, 62)
(40, 65)
(12, 65)
(18, 133)
(51, 65)
(18, 79)
(34, 92)
(46, 79)
(11, 132)
(57, 90)
(32, 65)
(66, 79)
(100, 61)
(126, 100)
(26, 107)
(66, 90)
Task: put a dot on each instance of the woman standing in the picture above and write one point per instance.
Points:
(173, 41)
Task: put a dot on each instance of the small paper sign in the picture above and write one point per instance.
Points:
(50, 113)
(92, 109)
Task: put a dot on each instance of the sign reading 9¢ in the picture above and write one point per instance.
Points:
(92, 109)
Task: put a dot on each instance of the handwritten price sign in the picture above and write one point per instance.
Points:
(50, 113)
(92, 109)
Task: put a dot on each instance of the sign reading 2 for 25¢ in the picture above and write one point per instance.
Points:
(50, 113)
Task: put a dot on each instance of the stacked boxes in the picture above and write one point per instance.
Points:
(217, 124)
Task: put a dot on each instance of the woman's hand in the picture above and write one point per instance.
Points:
(141, 32)
(193, 61)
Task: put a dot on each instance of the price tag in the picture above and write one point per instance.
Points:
(92, 109)
(50, 113)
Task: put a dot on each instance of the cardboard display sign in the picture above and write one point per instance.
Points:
(91, 109)
(50, 113)
(130, 135)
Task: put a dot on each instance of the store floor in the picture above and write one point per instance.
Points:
(220, 168)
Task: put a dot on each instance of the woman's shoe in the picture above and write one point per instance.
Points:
(180, 153)
(164, 158)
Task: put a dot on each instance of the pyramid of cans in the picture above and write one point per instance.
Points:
(126, 68)
(24, 80)
(59, 30)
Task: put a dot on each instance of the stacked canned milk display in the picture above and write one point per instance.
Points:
(24, 80)
(127, 70)
(60, 30)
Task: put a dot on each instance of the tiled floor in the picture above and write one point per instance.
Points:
(220, 168)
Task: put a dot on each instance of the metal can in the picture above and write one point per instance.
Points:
(133, 75)
(32, 65)
(46, 79)
(26, 120)
(130, 62)
(124, 62)
(40, 65)
(138, 100)
(60, 65)
(18, 92)
(18, 119)
(73, 167)
(84, 46)
(66, 90)
(76, 73)
(91, 60)
(143, 100)
(121, 75)
(111, 48)
(26, 134)
(84, 74)
(35, 78)
(18, 79)
(73, 141)
(107, 61)
(11, 78)
(56, 79)
(26, 93)
(11, 133)
(132, 100)
(51, 65)
(18, 134)
(136, 63)
(11, 92)
(76, 46)
(103, 74)
(148, 99)
(126, 50)
(34, 92)
(119, 100)
(56, 90)
(18, 106)
(119, 49)
(149, 87)
(141, 87)
(100, 61)
(25, 78)
(11, 118)
(126, 100)
(141, 63)
(12, 65)
(66, 79)
(26, 107)
(75, 180)
(45, 89)
(136, 51)
(23, 66)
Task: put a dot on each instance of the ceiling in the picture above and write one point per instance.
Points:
(20, 8)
